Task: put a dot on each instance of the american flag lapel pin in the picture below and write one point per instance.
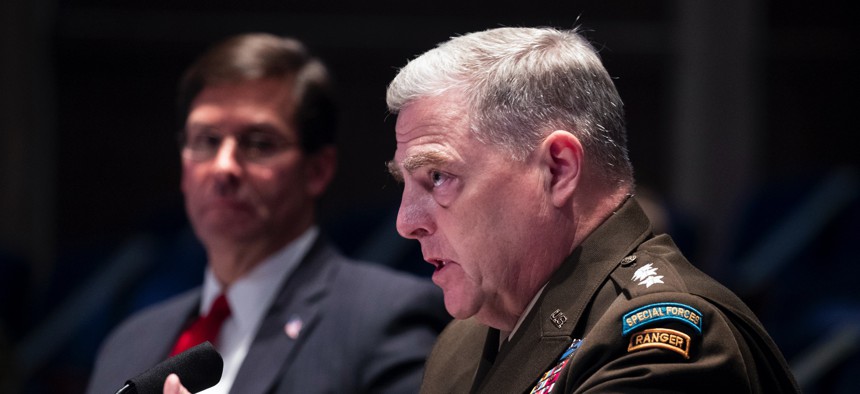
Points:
(293, 327)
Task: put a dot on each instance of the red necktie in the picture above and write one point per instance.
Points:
(205, 328)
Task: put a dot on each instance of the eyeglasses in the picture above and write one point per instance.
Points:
(252, 145)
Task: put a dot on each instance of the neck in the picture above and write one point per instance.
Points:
(231, 260)
(537, 264)
(230, 264)
(590, 211)
(501, 322)
(583, 217)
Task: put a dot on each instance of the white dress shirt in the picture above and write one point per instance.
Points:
(249, 298)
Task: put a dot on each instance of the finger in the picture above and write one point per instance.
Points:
(172, 385)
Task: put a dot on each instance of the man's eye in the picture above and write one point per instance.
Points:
(204, 142)
(259, 145)
(437, 178)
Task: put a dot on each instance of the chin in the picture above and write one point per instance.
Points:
(234, 232)
(457, 310)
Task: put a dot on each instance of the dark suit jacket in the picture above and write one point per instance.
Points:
(366, 329)
(607, 295)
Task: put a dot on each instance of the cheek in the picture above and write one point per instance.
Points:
(446, 196)
(478, 218)
(265, 183)
(490, 233)
(189, 182)
(276, 186)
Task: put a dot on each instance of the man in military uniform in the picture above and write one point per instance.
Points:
(511, 147)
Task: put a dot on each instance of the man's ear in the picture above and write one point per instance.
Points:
(563, 157)
(320, 169)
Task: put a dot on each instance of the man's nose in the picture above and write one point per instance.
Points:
(413, 218)
(226, 169)
(226, 159)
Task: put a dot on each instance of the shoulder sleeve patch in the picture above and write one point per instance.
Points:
(661, 311)
(662, 338)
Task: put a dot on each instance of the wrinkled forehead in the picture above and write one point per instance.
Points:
(441, 115)
(428, 132)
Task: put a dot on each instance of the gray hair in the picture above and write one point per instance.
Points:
(519, 84)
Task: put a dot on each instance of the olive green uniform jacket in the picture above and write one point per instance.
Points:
(647, 319)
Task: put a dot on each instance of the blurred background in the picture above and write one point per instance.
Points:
(740, 116)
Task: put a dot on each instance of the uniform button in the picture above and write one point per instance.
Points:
(628, 260)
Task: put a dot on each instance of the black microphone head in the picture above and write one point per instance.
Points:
(199, 368)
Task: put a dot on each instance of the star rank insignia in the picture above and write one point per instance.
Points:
(647, 275)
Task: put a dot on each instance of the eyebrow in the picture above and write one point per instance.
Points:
(418, 160)
(198, 126)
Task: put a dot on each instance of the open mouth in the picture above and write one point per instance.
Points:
(438, 263)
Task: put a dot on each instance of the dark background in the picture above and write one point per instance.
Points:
(740, 117)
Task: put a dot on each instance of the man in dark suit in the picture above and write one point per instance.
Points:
(511, 147)
(291, 314)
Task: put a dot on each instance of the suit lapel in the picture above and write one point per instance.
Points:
(272, 350)
(156, 349)
(186, 308)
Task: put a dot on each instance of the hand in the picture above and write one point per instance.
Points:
(173, 386)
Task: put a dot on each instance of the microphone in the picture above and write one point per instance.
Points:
(199, 368)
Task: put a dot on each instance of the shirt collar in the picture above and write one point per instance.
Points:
(522, 317)
(250, 296)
